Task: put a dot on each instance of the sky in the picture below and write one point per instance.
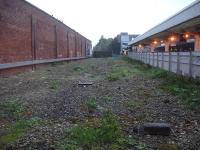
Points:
(93, 18)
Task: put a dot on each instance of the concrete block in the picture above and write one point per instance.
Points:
(156, 129)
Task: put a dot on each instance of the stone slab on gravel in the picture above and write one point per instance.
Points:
(85, 83)
(162, 129)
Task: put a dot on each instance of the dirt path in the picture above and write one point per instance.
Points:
(51, 100)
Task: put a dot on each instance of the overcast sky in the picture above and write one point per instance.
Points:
(93, 18)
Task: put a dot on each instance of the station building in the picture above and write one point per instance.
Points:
(179, 33)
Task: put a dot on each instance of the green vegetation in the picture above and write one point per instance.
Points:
(113, 77)
(141, 147)
(105, 47)
(103, 44)
(186, 88)
(133, 104)
(55, 84)
(104, 134)
(14, 130)
(12, 108)
(119, 72)
(18, 129)
(91, 104)
(77, 68)
(108, 98)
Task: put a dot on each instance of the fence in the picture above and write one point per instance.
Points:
(183, 63)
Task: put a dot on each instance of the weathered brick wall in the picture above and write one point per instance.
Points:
(27, 33)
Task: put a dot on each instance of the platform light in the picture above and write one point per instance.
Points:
(186, 35)
(140, 46)
(161, 41)
(155, 42)
(172, 38)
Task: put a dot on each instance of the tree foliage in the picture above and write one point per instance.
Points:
(108, 45)
(103, 44)
(115, 46)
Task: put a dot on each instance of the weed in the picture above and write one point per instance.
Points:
(113, 77)
(18, 129)
(54, 85)
(133, 104)
(186, 88)
(77, 68)
(105, 134)
(108, 98)
(91, 104)
(68, 147)
(158, 73)
(12, 108)
(137, 64)
(118, 73)
(141, 147)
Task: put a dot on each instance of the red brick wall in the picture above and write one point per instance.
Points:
(27, 33)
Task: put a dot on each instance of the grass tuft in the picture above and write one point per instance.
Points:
(186, 88)
(12, 108)
(118, 72)
(91, 104)
(18, 129)
(104, 134)
(108, 98)
(77, 68)
(133, 104)
(54, 85)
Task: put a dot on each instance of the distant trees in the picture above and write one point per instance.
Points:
(108, 45)
(115, 46)
(103, 44)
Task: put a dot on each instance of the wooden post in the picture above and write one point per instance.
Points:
(190, 64)
(33, 39)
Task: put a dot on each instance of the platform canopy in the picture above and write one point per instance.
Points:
(186, 20)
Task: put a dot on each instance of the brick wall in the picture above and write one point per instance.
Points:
(28, 33)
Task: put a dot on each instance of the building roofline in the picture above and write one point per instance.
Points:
(178, 18)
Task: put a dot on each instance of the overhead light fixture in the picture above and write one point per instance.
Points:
(172, 38)
(155, 42)
(186, 35)
(140, 45)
